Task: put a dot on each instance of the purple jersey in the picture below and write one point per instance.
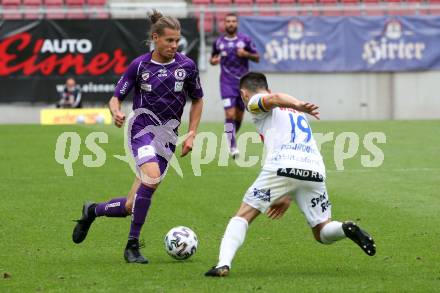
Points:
(160, 88)
(232, 66)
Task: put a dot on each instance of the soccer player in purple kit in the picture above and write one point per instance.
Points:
(162, 80)
(232, 51)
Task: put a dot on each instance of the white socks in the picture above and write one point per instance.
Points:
(232, 240)
(332, 232)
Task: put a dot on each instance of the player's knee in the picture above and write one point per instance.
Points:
(129, 206)
(230, 114)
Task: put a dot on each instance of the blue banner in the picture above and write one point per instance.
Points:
(345, 44)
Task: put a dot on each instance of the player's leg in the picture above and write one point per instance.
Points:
(150, 174)
(233, 238)
(313, 200)
(230, 124)
(131, 195)
(267, 189)
(116, 207)
(239, 113)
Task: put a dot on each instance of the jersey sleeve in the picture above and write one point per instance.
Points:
(215, 50)
(257, 107)
(192, 85)
(127, 81)
(250, 46)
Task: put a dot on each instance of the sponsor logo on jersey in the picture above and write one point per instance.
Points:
(124, 88)
(162, 73)
(180, 74)
(262, 194)
(146, 87)
(178, 86)
(145, 75)
(300, 174)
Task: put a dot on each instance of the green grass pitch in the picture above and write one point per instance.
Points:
(398, 203)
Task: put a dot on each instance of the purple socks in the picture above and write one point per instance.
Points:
(237, 126)
(230, 132)
(112, 208)
(140, 209)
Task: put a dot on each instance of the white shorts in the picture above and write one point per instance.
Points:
(310, 196)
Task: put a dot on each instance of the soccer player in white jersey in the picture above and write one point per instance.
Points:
(293, 169)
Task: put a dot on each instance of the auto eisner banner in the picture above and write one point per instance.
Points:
(344, 44)
(36, 57)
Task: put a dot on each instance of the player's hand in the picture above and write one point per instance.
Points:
(188, 143)
(119, 118)
(242, 53)
(309, 108)
(277, 210)
(215, 60)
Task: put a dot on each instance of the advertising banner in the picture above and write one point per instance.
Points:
(36, 57)
(345, 44)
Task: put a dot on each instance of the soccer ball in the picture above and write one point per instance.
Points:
(181, 242)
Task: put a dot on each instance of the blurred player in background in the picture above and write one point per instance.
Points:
(70, 97)
(293, 168)
(233, 50)
(162, 80)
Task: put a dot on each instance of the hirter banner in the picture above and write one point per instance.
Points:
(345, 44)
(36, 57)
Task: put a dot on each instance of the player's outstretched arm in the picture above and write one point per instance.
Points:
(195, 113)
(115, 109)
(287, 101)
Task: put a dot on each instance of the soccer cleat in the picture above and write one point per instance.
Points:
(83, 225)
(222, 271)
(360, 237)
(132, 253)
(234, 153)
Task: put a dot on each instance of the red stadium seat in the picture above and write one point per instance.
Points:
(32, 2)
(96, 2)
(208, 23)
(11, 12)
(434, 11)
(333, 4)
(308, 3)
(54, 2)
(11, 2)
(75, 2)
(267, 7)
(222, 2)
(35, 14)
(76, 15)
(373, 11)
(351, 7)
(55, 15)
(283, 4)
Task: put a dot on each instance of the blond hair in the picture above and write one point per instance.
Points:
(160, 23)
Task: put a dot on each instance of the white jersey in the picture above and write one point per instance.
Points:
(287, 137)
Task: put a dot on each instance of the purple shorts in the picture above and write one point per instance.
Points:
(147, 149)
(233, 102)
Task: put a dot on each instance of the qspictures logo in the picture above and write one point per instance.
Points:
(23, 54)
